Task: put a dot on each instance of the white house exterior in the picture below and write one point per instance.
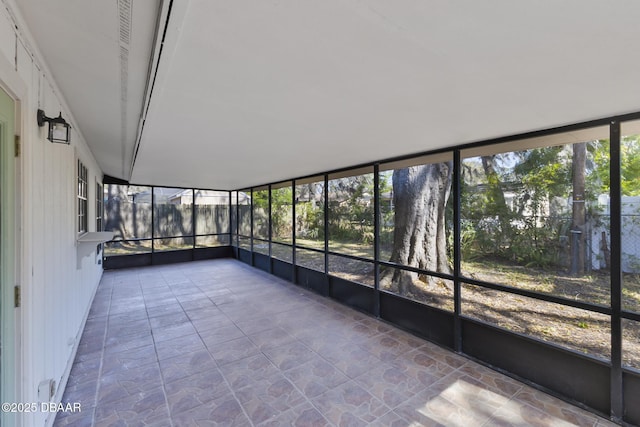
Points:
(630, 234)
(56, 274)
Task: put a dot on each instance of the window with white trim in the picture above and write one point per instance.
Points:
(99, 206)
(82, 198)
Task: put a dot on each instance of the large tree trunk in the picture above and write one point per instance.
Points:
(420, 195)
(578, 215)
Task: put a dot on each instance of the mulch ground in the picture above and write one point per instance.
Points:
(577, 329)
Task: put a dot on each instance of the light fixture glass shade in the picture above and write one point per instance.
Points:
(59, 129)
(59, 132)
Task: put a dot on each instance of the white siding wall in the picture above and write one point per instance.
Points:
(58, 276)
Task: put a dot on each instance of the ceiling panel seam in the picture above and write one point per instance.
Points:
(162, 26)
(124, 11)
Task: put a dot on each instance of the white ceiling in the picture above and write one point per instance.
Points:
(252, 91)
(99, 53)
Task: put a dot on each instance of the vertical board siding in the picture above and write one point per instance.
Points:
(7, 36)
(58, 277)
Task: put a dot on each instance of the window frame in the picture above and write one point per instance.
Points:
(82, 196)
(99, 206)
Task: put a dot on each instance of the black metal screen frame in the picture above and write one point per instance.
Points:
(158, 257)
(614, 387)
(451, 329)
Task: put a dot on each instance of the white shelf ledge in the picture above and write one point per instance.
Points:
(96, 237)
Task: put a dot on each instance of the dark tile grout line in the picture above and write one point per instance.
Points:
(102, 354)
(155, 351)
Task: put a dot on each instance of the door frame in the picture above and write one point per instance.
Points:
(13, 85)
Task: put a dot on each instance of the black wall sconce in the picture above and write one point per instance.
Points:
(58, 128)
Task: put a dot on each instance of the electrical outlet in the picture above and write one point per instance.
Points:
(46, 390)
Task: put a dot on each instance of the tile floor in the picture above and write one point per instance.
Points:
(219, 343)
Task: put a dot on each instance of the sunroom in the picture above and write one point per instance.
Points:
(320, 213)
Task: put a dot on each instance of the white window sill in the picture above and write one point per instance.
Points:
(95, 237)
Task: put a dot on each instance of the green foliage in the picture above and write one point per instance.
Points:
(261, 199)
(530, 226)
(309, 221)
(261, 213)
(281, 220)
(281, 213)
(629, 164)
(351, 209)
(387, 213)
(538, 245)
(544, 173)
